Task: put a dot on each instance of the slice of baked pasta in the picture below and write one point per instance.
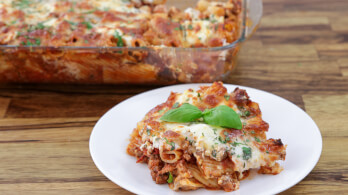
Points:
(206, 138)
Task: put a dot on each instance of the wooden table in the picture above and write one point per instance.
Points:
(300, 52)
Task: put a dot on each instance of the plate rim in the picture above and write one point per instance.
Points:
(128, 187)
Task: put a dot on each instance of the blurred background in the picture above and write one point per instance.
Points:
(299, 52)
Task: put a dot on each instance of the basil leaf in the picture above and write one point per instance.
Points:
(183, 114)
(223, 116)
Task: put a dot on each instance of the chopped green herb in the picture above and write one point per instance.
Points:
(30, 43)
(90, 11)
(190, 27)
(257, 139)
(71, 23)
(253, 132)
(88, 25)
(267, 152)
(21, 4)
(203, 134)
(246, 153)
(213, 20)
(40, 25)
(246, 113)
(227, 139)
(176, 28)
(213, 153)
(160, 111)
(238, 156)
(244, 165)
(222, 141)
(198, 95)
(37, 41)
(170, 143)
(227, 97)
(173, 145)
(170, 178)
(148, 131)
(86, 41)
(175, 105)
(225, 133)
(119, 39)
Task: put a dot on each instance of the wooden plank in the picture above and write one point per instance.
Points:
(329, 112)
(332, 51)
(46, 162)
(339, 23)
(330, 176)
(278, 22)
(343, 63)
(76, 188)
(4, 103)
(281, 53)
(53, 105)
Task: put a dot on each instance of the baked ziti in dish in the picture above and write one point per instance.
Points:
(130, 23)
(118, 41)
(205, 138)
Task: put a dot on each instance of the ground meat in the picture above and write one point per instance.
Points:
(228, 183)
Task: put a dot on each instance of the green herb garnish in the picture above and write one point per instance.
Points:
(223, 116)
(119, 39)
(21, 4)
(88, 25)
(170, 178)
(246, 153)
(227, 97)
(257, 139)
(175, 105)
(247, 113)
(213, 153)
(40, 25)
(183, 114)
(148, 131)
(170, 143)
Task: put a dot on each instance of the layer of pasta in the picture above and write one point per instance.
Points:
(197, 154)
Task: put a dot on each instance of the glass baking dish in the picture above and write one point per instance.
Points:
(143, 65)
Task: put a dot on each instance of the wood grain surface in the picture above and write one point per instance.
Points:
(300, 52)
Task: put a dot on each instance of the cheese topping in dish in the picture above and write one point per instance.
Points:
(198, 154)
(120, 23)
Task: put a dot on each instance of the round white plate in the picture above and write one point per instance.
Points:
(109, 140)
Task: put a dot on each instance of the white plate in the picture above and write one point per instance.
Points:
(110, 135)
